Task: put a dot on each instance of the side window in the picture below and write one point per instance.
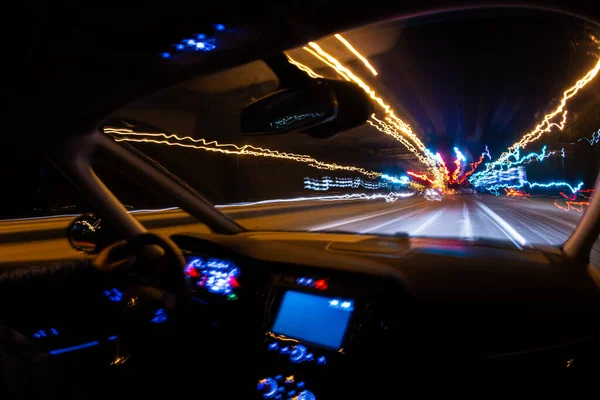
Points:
(32, 188)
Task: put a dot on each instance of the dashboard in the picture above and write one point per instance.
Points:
(308, 323)
(331, 312)
(320, 316)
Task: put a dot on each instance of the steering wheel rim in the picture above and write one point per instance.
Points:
(174, 277)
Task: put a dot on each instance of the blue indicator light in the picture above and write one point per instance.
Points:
(114, 337)
(73, 348)
(300, 385)
(273, 346)
(191, 42)
(53, 332)
(220, 27)
(201, 36)
(114, 295)
(160, 316)
(39, 334)
(180, 46)
(321, 360)
(285, 350)
(165, 55)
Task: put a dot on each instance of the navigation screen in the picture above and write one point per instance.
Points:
(314, 319)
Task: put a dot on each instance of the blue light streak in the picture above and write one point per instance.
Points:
(73, 348)
(595, 138)
(523, 183)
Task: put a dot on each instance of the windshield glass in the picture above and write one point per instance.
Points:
(485, 125)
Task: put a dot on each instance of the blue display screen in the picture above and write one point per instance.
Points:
(314, 319)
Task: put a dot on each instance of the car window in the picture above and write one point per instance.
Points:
(32, 188)
(485, 126)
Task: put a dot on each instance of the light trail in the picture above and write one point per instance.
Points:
(595, 138)
(474, 166)
(128, 135)
(388, 197)
(572, 205)
(546, 125)
(326, 183)
(396, 127)
(523, 183)
(423, 177)
(516, 193)
(356, 53)
(460, 158)
(343, 70)
(303, 67)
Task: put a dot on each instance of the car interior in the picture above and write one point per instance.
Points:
(225, 312)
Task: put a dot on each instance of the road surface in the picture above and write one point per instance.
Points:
(521, 222)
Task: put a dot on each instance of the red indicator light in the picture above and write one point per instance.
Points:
(321, 284)
(192, 272)
(234, 282)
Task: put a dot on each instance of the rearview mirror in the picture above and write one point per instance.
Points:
(85, 234)
(322, 109)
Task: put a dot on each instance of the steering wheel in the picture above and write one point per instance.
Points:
(156, 293)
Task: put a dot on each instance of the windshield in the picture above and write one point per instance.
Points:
(485, 125)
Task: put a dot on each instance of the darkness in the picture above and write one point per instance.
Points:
(485, 79)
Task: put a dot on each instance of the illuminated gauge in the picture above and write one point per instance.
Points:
(213, 275)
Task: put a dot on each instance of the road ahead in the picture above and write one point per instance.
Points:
(521, 222)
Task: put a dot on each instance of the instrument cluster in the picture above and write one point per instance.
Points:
(213, 277)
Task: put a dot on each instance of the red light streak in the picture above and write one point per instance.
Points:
(423, 177)
(572, 205)
(511, 192)
(474, 166)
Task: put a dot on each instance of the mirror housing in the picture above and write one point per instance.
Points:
(85, 234)
(321, 109)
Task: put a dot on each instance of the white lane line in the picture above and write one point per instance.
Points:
(466, 228)
(349, 221)
(429, 221)
(374, 228)
(503, 225)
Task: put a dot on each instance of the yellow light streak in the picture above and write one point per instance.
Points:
(341, 73)
(356, 53)
(398, 128)
(303, 67)
(129, 135)
(546, 125)
(393, 119)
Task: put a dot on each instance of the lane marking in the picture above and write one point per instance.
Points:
(429, 221)
(504, 226)
(373, 228)
(467, 227)
(350, 221)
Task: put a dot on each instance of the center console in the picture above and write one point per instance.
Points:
(308, 328)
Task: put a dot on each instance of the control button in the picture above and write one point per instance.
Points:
(297, 354)
(267, 387)
(278, 397)
(290, 380)
(309, 357)
(291, 393)
(321, 360)
(300, 385)
(278, 378)
(274, 346)
(306, 395)
(284, 350)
